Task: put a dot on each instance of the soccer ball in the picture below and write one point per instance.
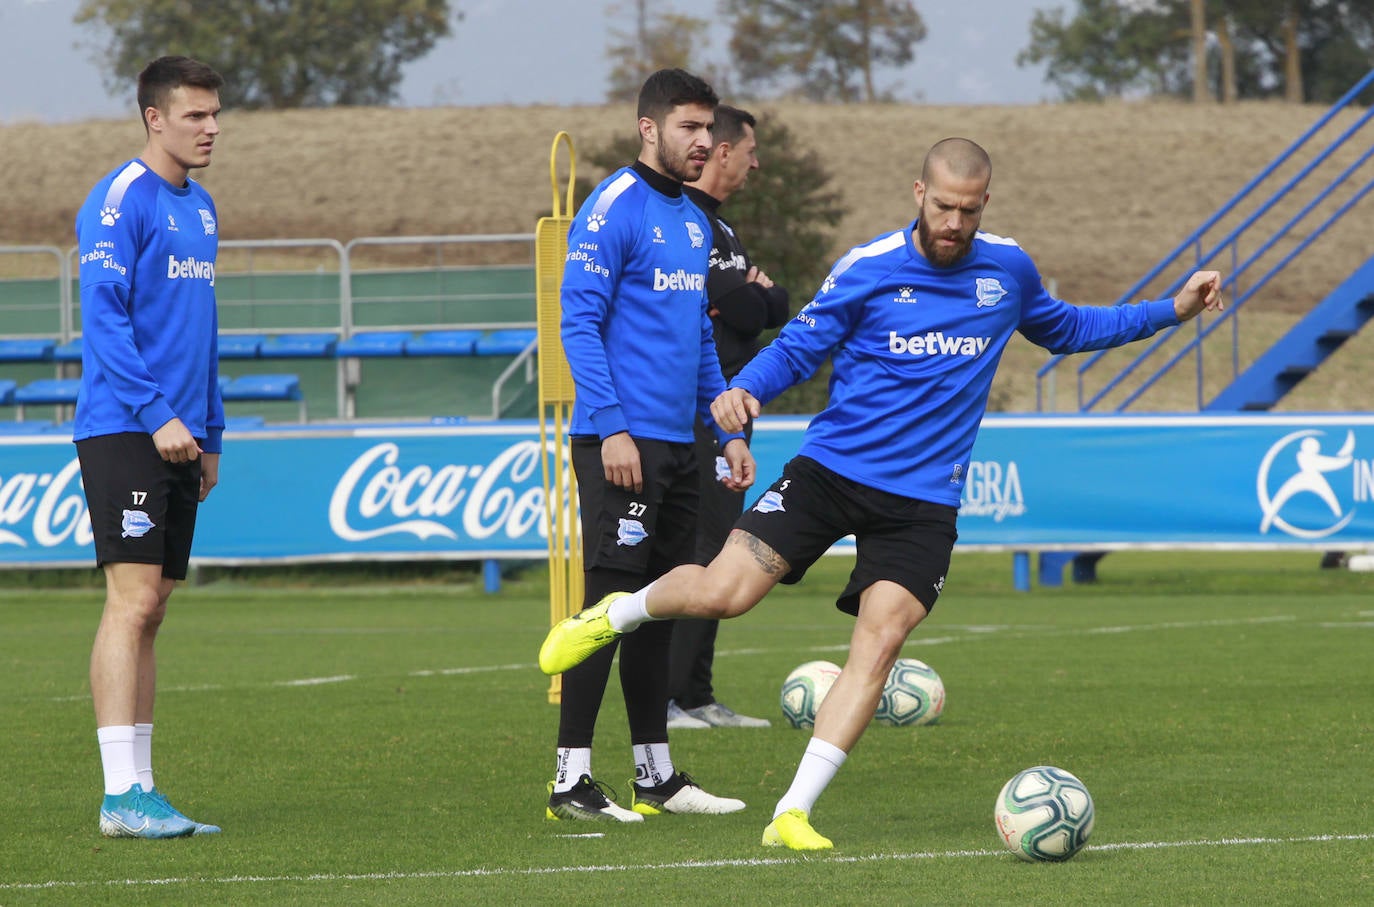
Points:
(1044, 815)
(805, 689)
(913, 694)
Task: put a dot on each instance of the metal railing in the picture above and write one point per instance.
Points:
(1240, 281)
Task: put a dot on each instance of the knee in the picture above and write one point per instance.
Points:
(143, 608)
(720, 596)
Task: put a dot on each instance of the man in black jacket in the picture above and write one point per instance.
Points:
(743, 302)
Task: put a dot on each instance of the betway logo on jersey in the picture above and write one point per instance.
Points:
(678, 280)
(190, 268)
(936, 343)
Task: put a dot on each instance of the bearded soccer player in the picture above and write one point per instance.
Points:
(915, 322)
(149, 418)
(638, 339)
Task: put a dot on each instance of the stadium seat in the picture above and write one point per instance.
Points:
(240, 346)
(26, 349)
(243, 423)
(46, 392)
(267, 388)
(511, 342)
(7, 388)
(442, 343)
(11, 427)
(374, 344)
(69, 351)
(299, 346)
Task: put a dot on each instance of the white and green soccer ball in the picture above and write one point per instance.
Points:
(913, 694)
(805, 689)
(1044, 815)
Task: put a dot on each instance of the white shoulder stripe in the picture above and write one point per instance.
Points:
(122, 182)
(997, 240)
(613, 192)
(879, 246)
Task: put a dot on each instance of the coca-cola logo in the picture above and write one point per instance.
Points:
(379, 494)
(51, 506)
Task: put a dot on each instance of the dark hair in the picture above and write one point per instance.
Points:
(166, 74)
(730, 123)
(669, 88)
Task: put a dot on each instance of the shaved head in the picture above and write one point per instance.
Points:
(960, 158)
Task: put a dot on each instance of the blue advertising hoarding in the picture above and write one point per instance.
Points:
(476, 491)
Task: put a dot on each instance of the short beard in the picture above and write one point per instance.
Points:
(675, 168)
(935, 256)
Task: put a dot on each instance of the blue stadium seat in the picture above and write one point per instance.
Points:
(374, 344)
(240, 346)
(443, 343)
(46, 392)
(266, 388)
(7, 388)
(26, 349)
(23, 428)
(299, 346)
(510, 342)
(243, 423)
(68, 352)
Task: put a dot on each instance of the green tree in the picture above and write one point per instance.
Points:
(787, 214)
(1311, 50)
(823, 50)
(658, 41)
(274, 53)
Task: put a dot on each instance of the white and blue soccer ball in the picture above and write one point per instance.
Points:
(805, 689)
(913, 694)
(1044, 815)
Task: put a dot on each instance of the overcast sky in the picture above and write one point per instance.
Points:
(527, 52)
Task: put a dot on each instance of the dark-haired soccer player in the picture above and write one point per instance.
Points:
(744, 302)
(915, 322)
(638, 340)
(149, 418)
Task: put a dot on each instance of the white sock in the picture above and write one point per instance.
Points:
(117, 757)
(818, 766)
(572, 763)
(143, 755)
(629, 611)
(653, 765)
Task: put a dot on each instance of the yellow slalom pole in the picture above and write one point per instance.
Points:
(555, 405)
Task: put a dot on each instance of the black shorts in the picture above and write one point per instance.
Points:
(903, 540)
(719, 506)
(646, 533)
(143, 509)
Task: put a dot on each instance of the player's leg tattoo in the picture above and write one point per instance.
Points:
(768, 560)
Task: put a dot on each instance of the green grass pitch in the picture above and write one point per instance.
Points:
(367, 743)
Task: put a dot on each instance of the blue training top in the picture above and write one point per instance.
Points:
(915, 347)
(148, 322)
(634, 325)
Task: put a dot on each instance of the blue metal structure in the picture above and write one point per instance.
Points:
(1246, 256)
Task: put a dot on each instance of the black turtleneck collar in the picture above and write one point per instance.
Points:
(704, 200)
(664, 184)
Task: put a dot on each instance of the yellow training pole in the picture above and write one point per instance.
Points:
(555, 405)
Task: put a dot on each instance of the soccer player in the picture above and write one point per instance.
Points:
(743, 303)
(149, 418)
(638, 340)
(915, 322)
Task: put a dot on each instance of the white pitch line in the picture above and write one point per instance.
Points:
(655, 867)
(483, 669)
(314, 681)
